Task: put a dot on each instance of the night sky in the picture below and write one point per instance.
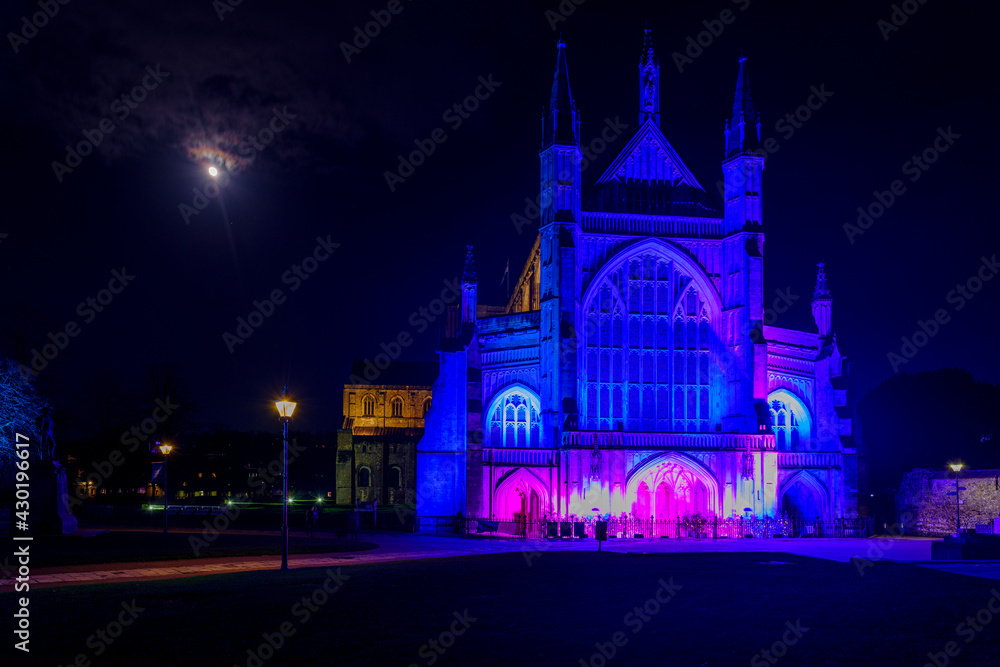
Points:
(343, 124)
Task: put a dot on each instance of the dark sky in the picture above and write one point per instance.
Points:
(323, 174)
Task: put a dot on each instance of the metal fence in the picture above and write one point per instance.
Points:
(633, 528)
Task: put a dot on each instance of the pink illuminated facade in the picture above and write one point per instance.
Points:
(634, 370)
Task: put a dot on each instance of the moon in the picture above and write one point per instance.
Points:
(213, 172)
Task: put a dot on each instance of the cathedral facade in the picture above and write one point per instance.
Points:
(632, 371)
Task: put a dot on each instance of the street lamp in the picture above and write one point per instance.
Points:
(165, 450)
(957, 467)
(286, 407)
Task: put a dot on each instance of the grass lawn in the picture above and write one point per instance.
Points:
(124, 547)
(727, 609)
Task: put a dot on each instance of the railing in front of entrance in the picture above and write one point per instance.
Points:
(653, 440)
(633, 528)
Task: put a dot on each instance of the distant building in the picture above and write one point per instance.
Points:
(377, 446)
(924, 506)
(637, 368)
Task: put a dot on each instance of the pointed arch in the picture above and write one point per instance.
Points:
(514, 418)
(514, 491)
(681, 474)
(684, 262)
(798, 492)
(791, 420)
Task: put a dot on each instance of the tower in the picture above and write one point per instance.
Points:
(822, 303)
(743, 263)
(560, 233)
(649, 82)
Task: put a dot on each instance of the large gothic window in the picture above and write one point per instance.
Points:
(647, 356)
(515, 421)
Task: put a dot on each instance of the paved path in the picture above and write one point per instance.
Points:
(398, 547)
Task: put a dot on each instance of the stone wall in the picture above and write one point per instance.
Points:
(379, 454)
(923, 506)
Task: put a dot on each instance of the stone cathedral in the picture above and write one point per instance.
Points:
(632, 370)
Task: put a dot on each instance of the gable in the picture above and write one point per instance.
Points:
(649, 157)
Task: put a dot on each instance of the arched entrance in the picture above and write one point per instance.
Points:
(670, 485)
(804, 498)
(520, 493)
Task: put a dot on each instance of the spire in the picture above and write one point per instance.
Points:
(649, 81)
(822, 302)
(469, 272)
(562, 124)
(822, 289)
(743, 130)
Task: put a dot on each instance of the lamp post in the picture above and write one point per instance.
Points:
(957, 467)
(286, 407)
(165, 450)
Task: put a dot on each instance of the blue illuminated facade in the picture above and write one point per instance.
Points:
(634, 370)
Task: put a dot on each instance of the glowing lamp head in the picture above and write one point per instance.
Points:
(956, 466)
(165, 449)
(285, 405)
(213, 172)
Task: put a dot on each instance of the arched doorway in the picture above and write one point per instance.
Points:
(520, 494)
(804, 498)
(641, 507)
(683, 487)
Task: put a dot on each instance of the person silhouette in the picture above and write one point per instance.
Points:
(311, 516)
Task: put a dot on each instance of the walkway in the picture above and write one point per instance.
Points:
(401, 547)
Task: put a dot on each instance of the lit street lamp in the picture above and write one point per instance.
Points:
(165, 450)
(957, 467)
(286, 407)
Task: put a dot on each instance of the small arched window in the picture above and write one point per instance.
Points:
(785, 425)
(397, 407)
(395, 477)
(368, 406)
(364, 477)
(427, 405)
